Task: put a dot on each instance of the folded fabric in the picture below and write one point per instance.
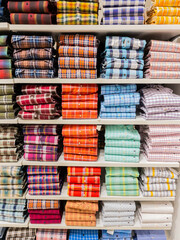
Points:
(79, 131)
(5, 73)
(123, 53)
(43, 179)
(122, 143)
(5, 63)
(157, 207)
(121, 73)
(52, 234)
(77, 62)
(77, 73)
(117, 3)
(124, 20)
(86, 114)
(83, 179)
(84, 187)
(34, 73)
(119, 158)
(163, 20)
(43, 204)
(32, 53)
(81, 171)
(32, 18)
(42, 170)
(80, 142)
(122, 151)
(76, 157)
(77, 51)
(83, 193)
(123, 11)
(123, 63)
(34, 64)
(157, 234)
(78, 39)
(77, 7)
(77, 19)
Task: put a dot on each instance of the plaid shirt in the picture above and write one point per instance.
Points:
(8, 143)
(161, 74)
(78, 40)
(166, 3)
(163, 46)
(121, 3)
(6, 89)
(161, 57)
(77, 157)
(163, 11)
(76, 89)
(80, 217)
(77, 19)
(5, 63)
(15, 207)
(11, 171)
(121, 73)
(32, 170)
(83, 193)
(6, 99)
(3, 40)
(121, 109)
(123, 11)
(123, 53)
(20, 233)
(79, 97)
(116, 88)
(30, 7)
(84, 187)
(37, 89)
(83, 234)
(23, 41)
(49, 186)
(12, 193)
(41, 157)
(34, 73)
(44, 192)
(77, 51)
(6, 108)
(163, 20)
(41, 129)
(136, 20)
(79, 114)
(77, 62)
(40, 149)
(11, 181)
(79, 105)
(109, 115)
(82, 171)
(123, 63)
(79, 131)
(121, 99)
(34, 115)
(85, 206)
(81, 151)
(80, 142)
(81, 223)
(9, 158)
(5, 73)
(32, 18)
(76, 7)
(4, 52)
(51, 234)
(77, 73)
(43, 204)
(83, 179)
(7, 115)
(33, 53)
(163, 66)
(44, 178)
(36, 99)
(33, 64)
(46, 140)
(47, 109)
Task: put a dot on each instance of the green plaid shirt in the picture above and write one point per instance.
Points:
(6, 108)
(123, 193)
(11, 193)
(117, 158)
(119, 187)
(14, 201)
(6, 99)
(121, 132)
(7, 115)
(11, 171)
(121, 180)
(121, 171)
(6, 89)
(122, 151)
(11, 181)
(122, 143)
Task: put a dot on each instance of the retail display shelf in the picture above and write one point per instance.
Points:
(6, 164)
(101, 163)
(9, 121)
(7, 81)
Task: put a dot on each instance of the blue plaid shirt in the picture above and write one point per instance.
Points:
(121, 99)
(83, 234)
(121, 109)
(115, 88)
(120, 115)
(34, 73)
(123, 53)
(121, 73)
(120, 234)
(123, 11)
(131, 20)
(12, 207)
(123, 63)
(119, 3)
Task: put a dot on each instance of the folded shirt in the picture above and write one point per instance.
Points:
(33, 53)
(84, 114)
(83, 179)
(34, 73)
(121, 158)
(121, 73)
(124, 20)
(40, 157)
(123, 53)
(83, 40)
(81, 151)
(84, 187)
(32, 18)
(119, 3)
(163, 20)
(5, 63)
(77, 62)
(77, 73)
(77, 19)
(51, 233)
(163, 11)
(77, 51)
(77, 7)
(42, 170)
(83, 193)
(80, 142)
(34, 64)
(41, 179)
(76, 157)
(5, 73)
(121, 99)
(123, 63)
(157, 207)
(43, 204)
(123, 11)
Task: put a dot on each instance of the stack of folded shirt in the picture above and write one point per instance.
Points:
(81, 12)
(21, 233)
(3, 233)
(162, 60)
(122, 181)
(32, 12)
(11, 147)
(80, 101)
(82, 234)
(164, 12)
(150, 234)
(122, 143)
(80, 142)
(44, 180)
(158, 182)
(5, 57)
(118, 234)
(39, 102)
(83, 181)
(12, 181)
(77, 56)
(123, 58)
(159, 103)
(42, 142)
(119, 101)
(7, 100)
(44, 211)
(118, 213)
(33, 56)
(119, 12)
(155, 214)
(160, 143)
(81, 213)
(53, 234)
(13, 210)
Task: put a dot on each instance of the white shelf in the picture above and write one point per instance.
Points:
(101, 163)
(18, 163)
(97, 81)
(9, 121)
(7, 81)
(138, 121)
(99, 226)
(103, 196)
(15, 225)
(4, 26)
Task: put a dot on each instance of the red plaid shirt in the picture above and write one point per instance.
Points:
(83, 179)
(83, 193)
(76, 157)
(37, 89)
(81, 171)
(48, 109)
(81, 151)
(35, 115)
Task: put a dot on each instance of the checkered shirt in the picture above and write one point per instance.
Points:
(33, 73)
(136, 20)
(123, 53)
(120, 3)
(77, 51)
(51, 234)
(40, 89)
(78, 40)
(76, 89)
(43, 204)
(83, 234)
(77, 19)
(77, 73)
(115, 88)
(80, 142)
(84, 171)
(79, 131)
(121, 73)
(122, 63)
(33, 53)
(76, 7)
(77, 62)
(34, 64)
(31, 170)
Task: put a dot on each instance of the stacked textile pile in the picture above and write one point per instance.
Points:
(159, 103)
(164, 12)
(84, 181)
(123, 58)
(7, 101)
(158, 182)
(160, 143)
(121, 12)
(42, 142)
(80, 101)
(39, 102)
(162, 60)
(11, 147)
(118, 213)
(44, 180)
(150, 234)
(82, 12)
(44, 211)
(83, 234)
(122, 143)
(122, 181)
(5, 57)
(53, 234)
(80, 142)
(21, 233)
(77, 56)
(12, 181)
(118, 234)
(119, 101)
(81, 213)
(155, 214)
(33, 56)
(13, 210)
(32, 12)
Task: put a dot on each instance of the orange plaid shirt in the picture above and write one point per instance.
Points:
(84, 171)
(80, 142)
(83, 151)
(82, 206)
(79, 97)
(76, 157)
(80, 105)
(77, 114)
(81, 223)
(76, 89)
(79, 131)
(43, 204)
(80, 217)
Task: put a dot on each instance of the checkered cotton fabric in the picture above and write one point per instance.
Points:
(20, 233)
(43, 204)
(41, 129)
(123, 63)
(123, 53)
(34, 64)
(83, 234)
(77, 63)
(121, 99)
(80, 142)
(115, 88)
(78, 89)
(121, 3)
(77, 157)
(78, 40)
(32, 170)
(77, 19)
(163, 46)
(77, 7)
(34, 73)
(78, 114)
(40, 89)
(6, 73)
(123, 11)
(51, 234)
(77, 73)
(82, 171)
(163, 20)
(169, 3)
(34, 115)
(77, 51)
(131, 20)
(121, 73)
(79, 131)
(46, 140)
(33, 53)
